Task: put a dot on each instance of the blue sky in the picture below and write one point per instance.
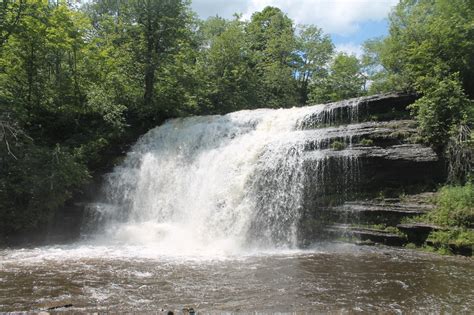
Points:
(349, 22)
(351, 43)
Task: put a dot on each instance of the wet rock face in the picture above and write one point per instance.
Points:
(382, 107)
(364, 152)
(368, 172)
(378, 134)
(407, 152)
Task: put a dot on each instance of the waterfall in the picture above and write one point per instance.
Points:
(223, 182)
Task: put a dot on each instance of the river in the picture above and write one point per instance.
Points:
(327, 277)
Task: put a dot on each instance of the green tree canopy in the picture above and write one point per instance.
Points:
(272, 41)
(315, 50)
(344, 80)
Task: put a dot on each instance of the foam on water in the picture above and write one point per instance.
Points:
(325, 279)
(90, 254)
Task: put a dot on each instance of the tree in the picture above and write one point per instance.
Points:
(427, 35)
(210, 29)
(161, 23)
(226, 65)
(382, 79)
(315, 50)
(271, 37)
(148, 49)
(345, 80)
(42, 94)
(11, 12)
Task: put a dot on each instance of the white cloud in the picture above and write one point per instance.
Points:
(333, 16)
(350, 49)
(223, 8)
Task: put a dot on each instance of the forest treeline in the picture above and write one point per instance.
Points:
(77, 82)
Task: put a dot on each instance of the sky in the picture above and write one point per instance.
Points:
(348, 22)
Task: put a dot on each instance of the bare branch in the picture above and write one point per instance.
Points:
(9, 130)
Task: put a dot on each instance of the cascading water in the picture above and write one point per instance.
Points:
(222, 183)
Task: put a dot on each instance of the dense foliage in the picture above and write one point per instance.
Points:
(454, 213)
(455, 206)
(345, 80)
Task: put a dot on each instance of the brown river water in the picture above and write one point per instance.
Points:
(335, 277)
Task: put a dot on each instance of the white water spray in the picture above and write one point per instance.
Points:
(211, 183)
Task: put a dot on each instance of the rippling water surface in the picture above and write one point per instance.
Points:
(328, 277)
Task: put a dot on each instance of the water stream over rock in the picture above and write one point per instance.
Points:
(224, 183)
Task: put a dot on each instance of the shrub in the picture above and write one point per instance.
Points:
(367, 142)
(443, 107)
(457, 237)
(338, 145)
(455, 206)
(36, 185)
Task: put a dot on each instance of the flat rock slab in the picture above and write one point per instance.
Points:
(371, 207)
(403, 152)
(419, 227)
(374, 235)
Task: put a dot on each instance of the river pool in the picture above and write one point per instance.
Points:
(328, 277)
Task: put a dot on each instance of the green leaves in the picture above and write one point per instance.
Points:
(273, 45)
(344, 80)
(315, 50)
(45, 73)
(11, 11)
(35, 185)
(428, 35)
(261, 63)
(455, 207)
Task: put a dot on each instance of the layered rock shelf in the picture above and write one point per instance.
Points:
(377, 107)
(367, 173)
